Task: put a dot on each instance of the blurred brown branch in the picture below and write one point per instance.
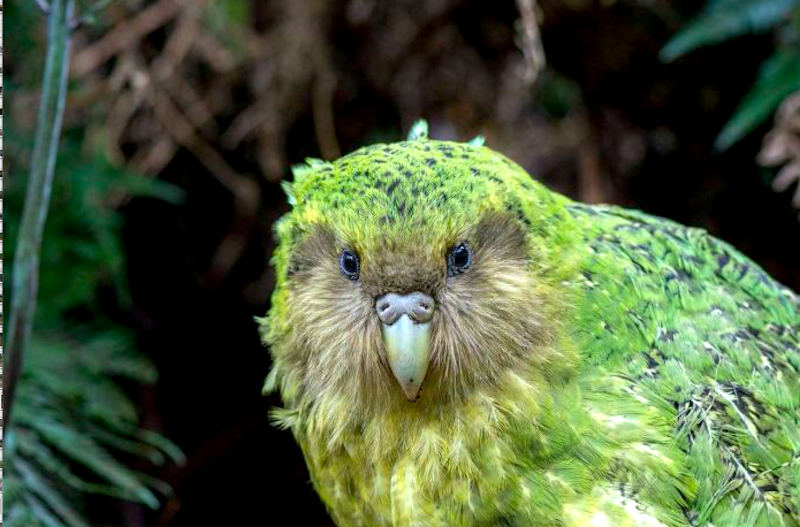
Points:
(530, 39)
(124, 35)
(156, 102)
(782, 147)
(164, 79)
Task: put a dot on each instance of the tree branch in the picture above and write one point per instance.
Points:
(25, 284)
(530, 40)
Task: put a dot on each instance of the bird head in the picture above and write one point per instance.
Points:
(411, 273)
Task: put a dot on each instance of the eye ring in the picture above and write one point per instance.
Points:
(459, 259)
(350, 264)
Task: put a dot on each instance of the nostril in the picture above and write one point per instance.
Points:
(417, 305)
(423, 308)
(383, 306)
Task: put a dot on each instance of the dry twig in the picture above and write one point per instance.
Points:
(782, 147)
(124, 35)
(530, 40)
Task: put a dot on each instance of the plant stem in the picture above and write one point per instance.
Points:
(25, 284)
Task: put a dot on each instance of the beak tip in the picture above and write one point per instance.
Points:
(411, 391)
(408, 354)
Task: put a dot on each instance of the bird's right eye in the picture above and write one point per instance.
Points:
(350, 264)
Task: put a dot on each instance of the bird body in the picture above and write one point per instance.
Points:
(582, 366)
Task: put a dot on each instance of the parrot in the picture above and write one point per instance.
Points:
(454, 344)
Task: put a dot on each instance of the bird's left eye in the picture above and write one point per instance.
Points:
(459, 258)
(350, 264)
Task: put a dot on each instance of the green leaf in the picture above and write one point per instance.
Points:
(85, 451)
(723, 20)
(230, 13)
(778, 77)
(48, 495)
(131, 446)
(226, 20)
(46, 461)
(288, 189)
(419, 130)
(41, 512)
(165, 445)
(143, 186)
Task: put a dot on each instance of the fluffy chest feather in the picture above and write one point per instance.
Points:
(523, 458)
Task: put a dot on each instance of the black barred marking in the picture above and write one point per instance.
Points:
(679, 275)
(778, 329)
(743, 270)
(391, 187)
(667, 335)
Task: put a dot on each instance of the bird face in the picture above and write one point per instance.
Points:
(404, 288)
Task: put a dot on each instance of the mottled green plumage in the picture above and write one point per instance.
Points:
(595, 367)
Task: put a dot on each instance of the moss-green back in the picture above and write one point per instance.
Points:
(696, 325)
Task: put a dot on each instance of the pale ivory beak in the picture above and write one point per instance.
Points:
(408, 352)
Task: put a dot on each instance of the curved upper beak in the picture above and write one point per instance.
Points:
(406, 331)
(408, 353)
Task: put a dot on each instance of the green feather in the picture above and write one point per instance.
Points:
(419, 130)
(478, 140)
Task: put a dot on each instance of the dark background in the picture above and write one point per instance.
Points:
(266, 84)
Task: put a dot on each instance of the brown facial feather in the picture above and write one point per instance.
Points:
(486, 319)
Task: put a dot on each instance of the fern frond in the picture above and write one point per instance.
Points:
(723, 20)
(778, 77)
(70, 413)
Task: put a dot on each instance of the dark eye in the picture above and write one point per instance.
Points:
(350, 264)
(459, 258)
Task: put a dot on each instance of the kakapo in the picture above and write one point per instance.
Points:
(457, 345)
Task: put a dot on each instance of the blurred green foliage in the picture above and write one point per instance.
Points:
(73, 418)
(220, 17)
(75, 431)
(779, 76)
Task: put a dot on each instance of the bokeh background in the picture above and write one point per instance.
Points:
(140, 402)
